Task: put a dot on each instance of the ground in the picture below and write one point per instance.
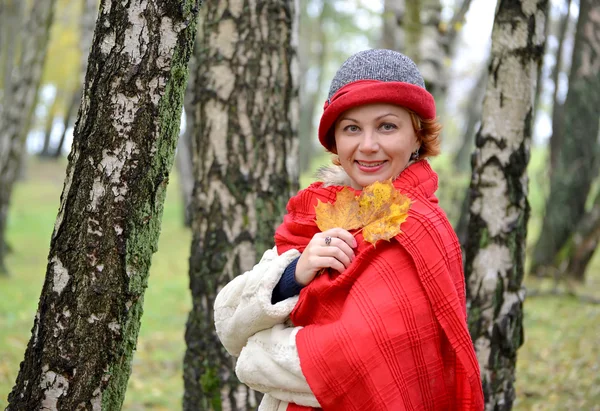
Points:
(558, 367)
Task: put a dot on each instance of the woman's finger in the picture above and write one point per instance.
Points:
(342, 245)
(336, 253)
(331, 262)
(343, 235)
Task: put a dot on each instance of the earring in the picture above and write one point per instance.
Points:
(415, 156)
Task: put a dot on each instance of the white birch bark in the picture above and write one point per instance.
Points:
(499, 208)
(244, 147)
(85, 331)
(16, 113)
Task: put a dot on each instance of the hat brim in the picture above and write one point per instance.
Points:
(407, 95)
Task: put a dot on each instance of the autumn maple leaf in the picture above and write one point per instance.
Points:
(378, 211)
(344, 213)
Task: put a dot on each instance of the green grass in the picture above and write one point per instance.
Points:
(558, 367)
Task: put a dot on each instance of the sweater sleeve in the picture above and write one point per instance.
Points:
(287, 286)
(269, 363)
(243, 307)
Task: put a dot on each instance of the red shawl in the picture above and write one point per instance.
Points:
(390, 332)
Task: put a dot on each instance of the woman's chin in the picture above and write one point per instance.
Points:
(365, 180)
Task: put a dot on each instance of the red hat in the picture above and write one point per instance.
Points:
(375, 76)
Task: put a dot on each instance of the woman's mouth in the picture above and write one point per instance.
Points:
(370, 166)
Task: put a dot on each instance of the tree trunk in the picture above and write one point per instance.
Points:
(577, 158)
(183, 160)
(245, 149)
(48, 126)
(499, 208)
(557, 106)
(583, 243)
(474, 105)
(413, 29)
(432, 63)
(86, 327)
(88, 21)
(314, 37)
(73, 104)
(11, 33)
(392, 35)
(15, 117)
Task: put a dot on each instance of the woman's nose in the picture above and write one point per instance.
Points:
(368, 143)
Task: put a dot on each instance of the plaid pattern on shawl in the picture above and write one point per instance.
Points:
(390, 332)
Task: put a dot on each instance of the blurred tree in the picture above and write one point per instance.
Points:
(416, 28)
(85, 330)
(20, 88)
(433, 60)
(244, 149)
(582, 244)
(185, 167)
(499, 208)
(49, 124)
(11, 19)
(184, 145)
(86, 34)
(312, 53)
(392, 35)
(557, 107)
(474, 105)
(577, 158)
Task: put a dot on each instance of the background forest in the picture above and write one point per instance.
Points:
(558, 366)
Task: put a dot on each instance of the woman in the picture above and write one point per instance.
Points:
(383, 327)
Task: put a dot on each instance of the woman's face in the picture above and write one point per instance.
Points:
(374, 142)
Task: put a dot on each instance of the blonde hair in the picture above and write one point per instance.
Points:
(427, 132)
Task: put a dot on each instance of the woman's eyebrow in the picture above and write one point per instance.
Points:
(385, 115)
(348, 118)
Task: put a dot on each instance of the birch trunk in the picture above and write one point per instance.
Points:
(577, 158)
(86, 328)
(413, 29)
(315, 38)
(432, 55)
(15, 117)
(49, 123)
(392, 35)
(557, 107)
(580, 248)
(245, 149)
(499, 208)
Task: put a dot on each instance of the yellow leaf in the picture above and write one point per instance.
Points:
(387, 226)
(382, 210)
(343, 214)
(379, 211)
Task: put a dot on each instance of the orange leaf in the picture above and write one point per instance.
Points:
(382, 209)
(379, 211)
(343, 213)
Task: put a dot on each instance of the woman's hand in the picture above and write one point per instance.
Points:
(329, 249)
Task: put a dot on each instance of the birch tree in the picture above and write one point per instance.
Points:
(499, 208)
(392, 34)
(20, 91)
(312, 52)
(86, 327)
(577, 159)
(244, 149)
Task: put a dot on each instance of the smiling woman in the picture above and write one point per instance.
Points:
(329, 320)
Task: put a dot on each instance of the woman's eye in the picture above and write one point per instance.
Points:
(352, 128)
(388, 127)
